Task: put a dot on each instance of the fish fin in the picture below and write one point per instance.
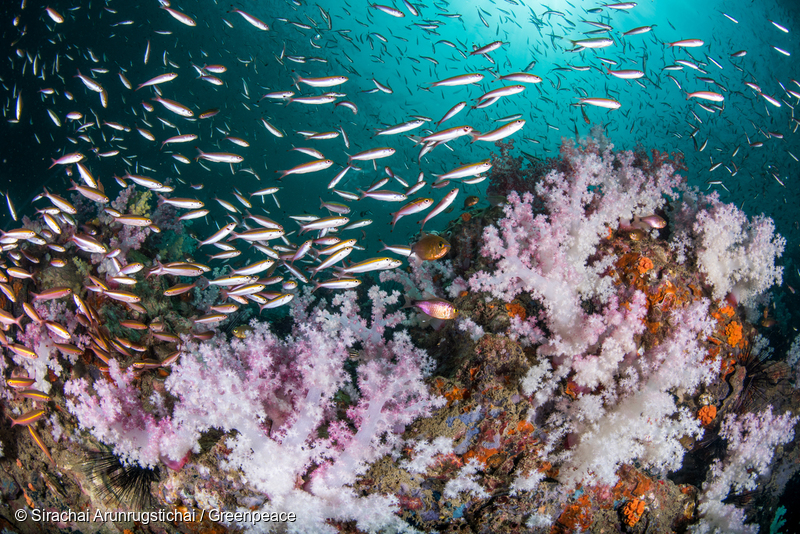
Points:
(436, 324)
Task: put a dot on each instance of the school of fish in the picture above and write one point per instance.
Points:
(269, 107)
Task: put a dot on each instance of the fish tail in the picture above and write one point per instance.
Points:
(155, 270)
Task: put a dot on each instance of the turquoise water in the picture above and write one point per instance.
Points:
(365, 43)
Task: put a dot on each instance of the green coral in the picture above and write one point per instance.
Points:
(83, 268)
(174, 246)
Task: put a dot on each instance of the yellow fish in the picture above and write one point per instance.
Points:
(430, 247)
(242, 331)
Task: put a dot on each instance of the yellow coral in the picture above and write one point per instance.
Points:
(141, 206)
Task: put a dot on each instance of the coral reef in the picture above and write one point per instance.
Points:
(603, 373)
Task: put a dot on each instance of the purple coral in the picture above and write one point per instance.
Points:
(277, 394)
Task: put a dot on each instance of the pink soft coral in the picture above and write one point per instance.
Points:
(547, 254)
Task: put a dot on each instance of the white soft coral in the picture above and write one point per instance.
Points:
(737, 255)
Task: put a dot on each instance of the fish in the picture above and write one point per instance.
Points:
(305, 168)
(90, 83)
(220, 234)
(174, 107)
(280, 300)
(499, 133)
(337, 283)
(326, 81)
(39, 443)
(383, 195)
(161, 78)
(324, 223)
(448, 134)
(706, 95)
(255, 22)
(440, 207)
(68, 159)
(521, 77)
(430, 247)
(486, 49)
(462, 79)
(185, 203)
(372, 154)
(184, 138)
(11, 210)
(219, 157)
(258, 234)
(54, 15)
(51, 294)
(401, 128)
(470, 201)
(608, 103)
(452, 112)
(28, 418)
(630, 74)
(502, 91)
(434, 307)
(372, 264)
(333, 259)
(687, 43)
(180, 17)
(600, 42)
(415, 206)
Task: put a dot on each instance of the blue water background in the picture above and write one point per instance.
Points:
(365, 43)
